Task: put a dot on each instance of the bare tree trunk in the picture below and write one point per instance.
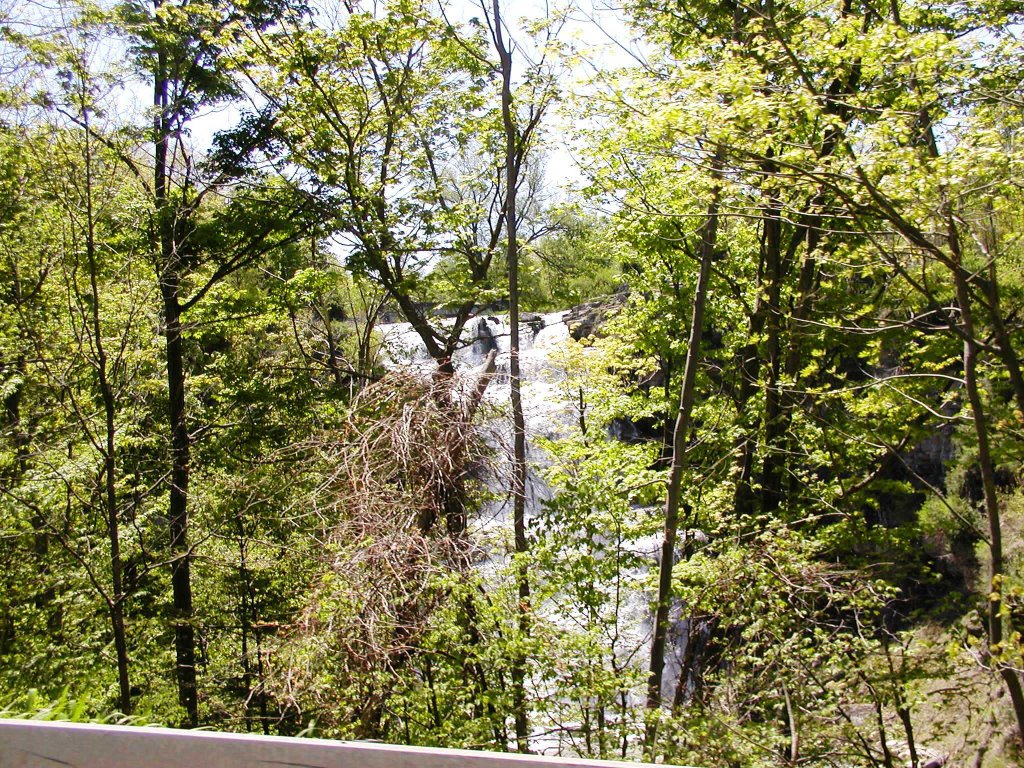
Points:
(709, 236)
(181, 556)
(987, 242)
(247, 617)
(961, 282)
(774, 422)
(102, 365)
(988, 482)
(1004, 348)
(744, 495)
(512, 148)
(169, 277)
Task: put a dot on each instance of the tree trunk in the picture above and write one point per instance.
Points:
(181, 556)
(1006, 351)
(168, 274)
(515, 380)
(744, 497)
(709, 236)
(1004, 343)
(101, 363)
(774, 426)
(988, 482)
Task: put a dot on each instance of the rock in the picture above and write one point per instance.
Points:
(634, 431)
(533, 321)
(585, 320)
(483, 339)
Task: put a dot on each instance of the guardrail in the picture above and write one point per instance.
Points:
(37, 744)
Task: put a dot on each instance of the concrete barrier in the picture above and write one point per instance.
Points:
(38, 744)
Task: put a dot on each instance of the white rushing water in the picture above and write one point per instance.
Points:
(550, 413)
(547, 408)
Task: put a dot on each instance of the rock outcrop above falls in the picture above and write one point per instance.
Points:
(587, 318)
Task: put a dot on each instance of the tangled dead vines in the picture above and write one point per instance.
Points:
(395, 496)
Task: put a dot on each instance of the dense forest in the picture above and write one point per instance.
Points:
(757, 500)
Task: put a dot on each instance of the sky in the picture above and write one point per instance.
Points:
(598, 33)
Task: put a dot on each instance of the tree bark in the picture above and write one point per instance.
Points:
(168, 273)
(181, 556)
(512, 141)
(774, 424)
(102, 365)
(962, 287)
(680, 434)
(988, 482)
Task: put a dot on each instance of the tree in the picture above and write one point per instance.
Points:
(827, 132)
(93, 340)
(377, 114)
(182, 49)
(520, 123)
(680, 438)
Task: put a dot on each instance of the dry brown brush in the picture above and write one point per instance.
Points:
(395, 495)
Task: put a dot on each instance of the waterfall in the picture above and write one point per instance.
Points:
(550, 413)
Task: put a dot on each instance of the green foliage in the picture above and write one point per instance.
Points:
(568, 266)
(64, 708)
(837, 573)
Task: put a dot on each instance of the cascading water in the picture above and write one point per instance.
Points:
(547, 407)
(550, 411)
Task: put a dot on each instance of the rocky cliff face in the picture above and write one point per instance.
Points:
(586, 319)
